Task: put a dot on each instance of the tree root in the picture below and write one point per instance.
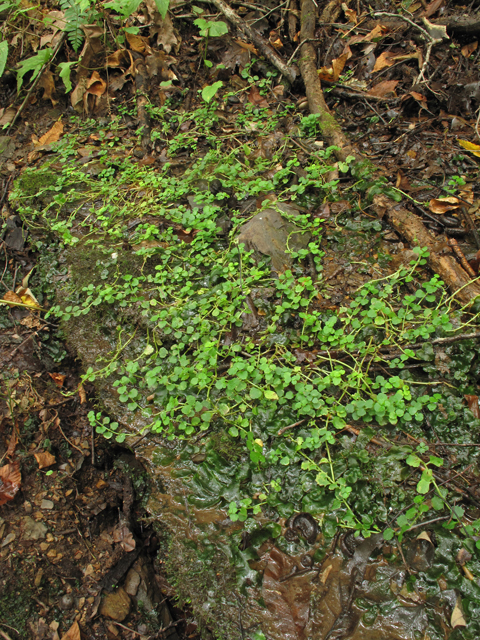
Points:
(440, 260)
(289, 72)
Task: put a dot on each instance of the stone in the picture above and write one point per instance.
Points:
(33, 530)
(116, 606)
(47, 504)
(132, 582)
(270, 234)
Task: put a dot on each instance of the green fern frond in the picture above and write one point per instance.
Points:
(75, 12)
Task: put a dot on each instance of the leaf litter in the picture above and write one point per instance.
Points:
(413, 128)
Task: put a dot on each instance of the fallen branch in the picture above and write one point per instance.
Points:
(289, 72)
(331, 130)
(412, 229)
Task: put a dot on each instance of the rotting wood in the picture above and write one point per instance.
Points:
(141, 83)
(331, 130)
(408, 225)
(289, 72)
(412, 229)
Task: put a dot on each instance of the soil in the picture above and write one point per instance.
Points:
(77, 525)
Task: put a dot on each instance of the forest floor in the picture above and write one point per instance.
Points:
(73, 523)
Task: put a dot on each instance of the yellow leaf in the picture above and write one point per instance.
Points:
(259, 442)
(470, 146)
(458, 619)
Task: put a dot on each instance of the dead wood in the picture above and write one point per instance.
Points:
(141, 85)
(406, 223)
(289, 72)
(331, 130)
(441, 259)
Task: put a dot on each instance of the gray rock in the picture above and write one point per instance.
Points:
(33, 530)
(270, 234)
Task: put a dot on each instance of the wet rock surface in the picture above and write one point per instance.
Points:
(269, 234)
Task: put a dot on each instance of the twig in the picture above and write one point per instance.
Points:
(424, 524)
(119, 624)
(35, 82)
(460, 255)
(70, 443)
(431, 41)
(290, 426)
(290, 73)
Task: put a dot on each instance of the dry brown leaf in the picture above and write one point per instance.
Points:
(255, 98)
(247, 46)
(458, 619)
(73, 633)
(92, 47)
(121, 58)
(333, 73)
(468, 49)
(350, 14)
(424, 536)
(138, 43)
(31, 321)
(124, 536)
(58, 378)
(44, 459)
(47, 83)
(158, 65)
(375, 34)
(6, 116)
(82, 394)
(96, 85)
(385, 59)
(13, 443)
(53, 135)
(472, 402)
(10, 480)
(384, 88)
(432, 8)
(167, 37)
(442, 205)
(11, 296)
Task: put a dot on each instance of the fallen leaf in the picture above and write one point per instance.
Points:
(432, 8)
(124, 536)
(385, 59)
(6, 116)
(470, 146)
(424, 536)
(27, 297)
(468, 49)
(377, 33)
(138, 43)
(73, 633)
(158, 65)
(10, 479)
(52, 135)
(58, 378)
(31, 321)
(82, 394)
(458, 619)
(350, 14)
(247, 46)
(92, 47)
(382, 89)
(120, 58)
(442, 205)
(255, 98)
(333, 73)
(388, 58)
(47, 83)
(167, 36)
(96, 85)
(472, 402)
(44, 459)
(13, 443)
(12, 297)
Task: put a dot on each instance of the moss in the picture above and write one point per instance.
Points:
(17, 603)
(32, 183)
